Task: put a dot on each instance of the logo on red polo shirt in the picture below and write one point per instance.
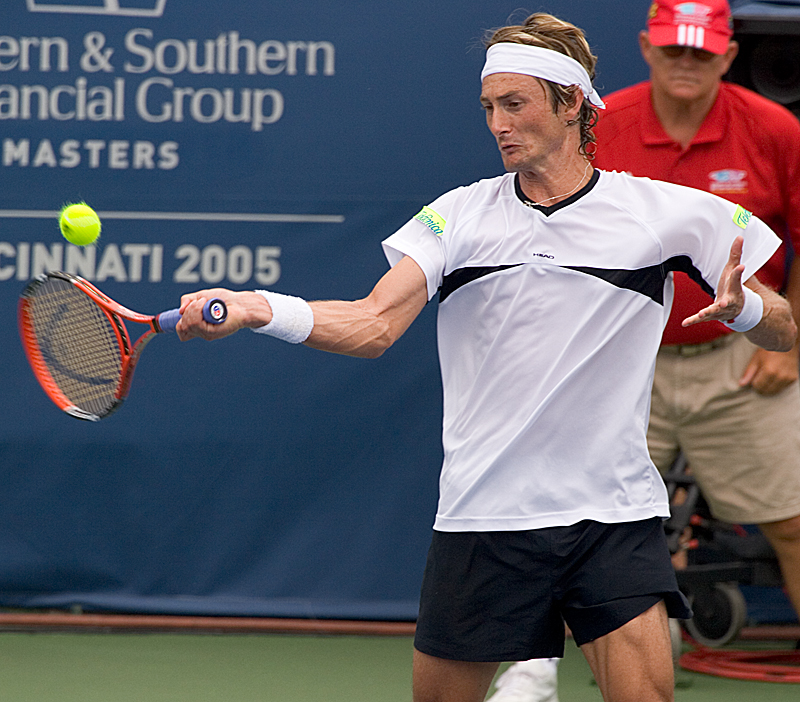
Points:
(729, 180)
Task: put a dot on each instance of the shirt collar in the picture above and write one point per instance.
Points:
(712, 129)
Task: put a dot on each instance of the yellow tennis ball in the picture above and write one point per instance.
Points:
(79, 224)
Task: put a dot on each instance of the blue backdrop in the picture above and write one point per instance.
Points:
(247, 144)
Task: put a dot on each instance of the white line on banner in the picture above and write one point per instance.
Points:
(187, 216)
(110, 7)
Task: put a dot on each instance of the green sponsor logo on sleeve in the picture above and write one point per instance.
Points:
(741, 217)
(431, 219)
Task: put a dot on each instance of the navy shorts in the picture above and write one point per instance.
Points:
(505, 596)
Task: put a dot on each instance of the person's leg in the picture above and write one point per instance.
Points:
(442, 680)
(486, 597)
(634, 663)
(535, 680)
(743, 448)
(624, 594)
(784, 536)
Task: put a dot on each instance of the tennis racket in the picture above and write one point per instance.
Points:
(78, 346)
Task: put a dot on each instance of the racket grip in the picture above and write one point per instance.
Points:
(214, 312)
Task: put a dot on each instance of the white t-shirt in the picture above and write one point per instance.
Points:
(548, 326)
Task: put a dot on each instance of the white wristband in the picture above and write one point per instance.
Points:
(292, 318)
(751, 313)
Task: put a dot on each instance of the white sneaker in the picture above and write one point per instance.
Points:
(528, 681)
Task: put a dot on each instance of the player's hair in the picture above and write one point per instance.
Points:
(541, 29)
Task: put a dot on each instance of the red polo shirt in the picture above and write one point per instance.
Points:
(747, 151)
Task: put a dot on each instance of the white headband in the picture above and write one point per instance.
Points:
(536, 61)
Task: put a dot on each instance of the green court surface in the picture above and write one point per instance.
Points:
(156, 667)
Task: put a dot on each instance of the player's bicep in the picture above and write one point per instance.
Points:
(400, 294)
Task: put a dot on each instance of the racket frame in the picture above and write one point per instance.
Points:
(115, 313)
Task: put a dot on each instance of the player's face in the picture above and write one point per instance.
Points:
(685, 74)
(521, 118)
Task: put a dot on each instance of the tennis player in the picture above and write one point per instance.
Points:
(554, 282)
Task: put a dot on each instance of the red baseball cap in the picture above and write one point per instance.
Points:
(701, 25)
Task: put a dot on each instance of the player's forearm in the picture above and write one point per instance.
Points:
(777, 330)
(366, 328)
(351, 329)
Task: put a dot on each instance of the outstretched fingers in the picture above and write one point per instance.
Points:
(730, 294)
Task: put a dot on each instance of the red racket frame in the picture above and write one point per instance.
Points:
(115, 313)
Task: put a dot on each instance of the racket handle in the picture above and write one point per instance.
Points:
(214, 312)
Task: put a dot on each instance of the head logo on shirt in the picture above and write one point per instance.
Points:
(728, 180)
(741, 217)
(431, 219)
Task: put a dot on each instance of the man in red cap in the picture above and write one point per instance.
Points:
(732, 409)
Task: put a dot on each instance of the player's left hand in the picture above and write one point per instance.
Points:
(730, 294)
(769, 372)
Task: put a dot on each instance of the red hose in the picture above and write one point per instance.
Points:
(762, 666)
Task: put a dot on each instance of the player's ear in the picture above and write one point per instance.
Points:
(572, 109)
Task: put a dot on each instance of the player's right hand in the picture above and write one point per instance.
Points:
(245, 309)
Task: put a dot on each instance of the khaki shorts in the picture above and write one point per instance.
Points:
(742, 448)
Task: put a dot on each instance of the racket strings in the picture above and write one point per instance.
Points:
(78, 345)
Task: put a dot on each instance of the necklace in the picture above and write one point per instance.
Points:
(531, 203)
